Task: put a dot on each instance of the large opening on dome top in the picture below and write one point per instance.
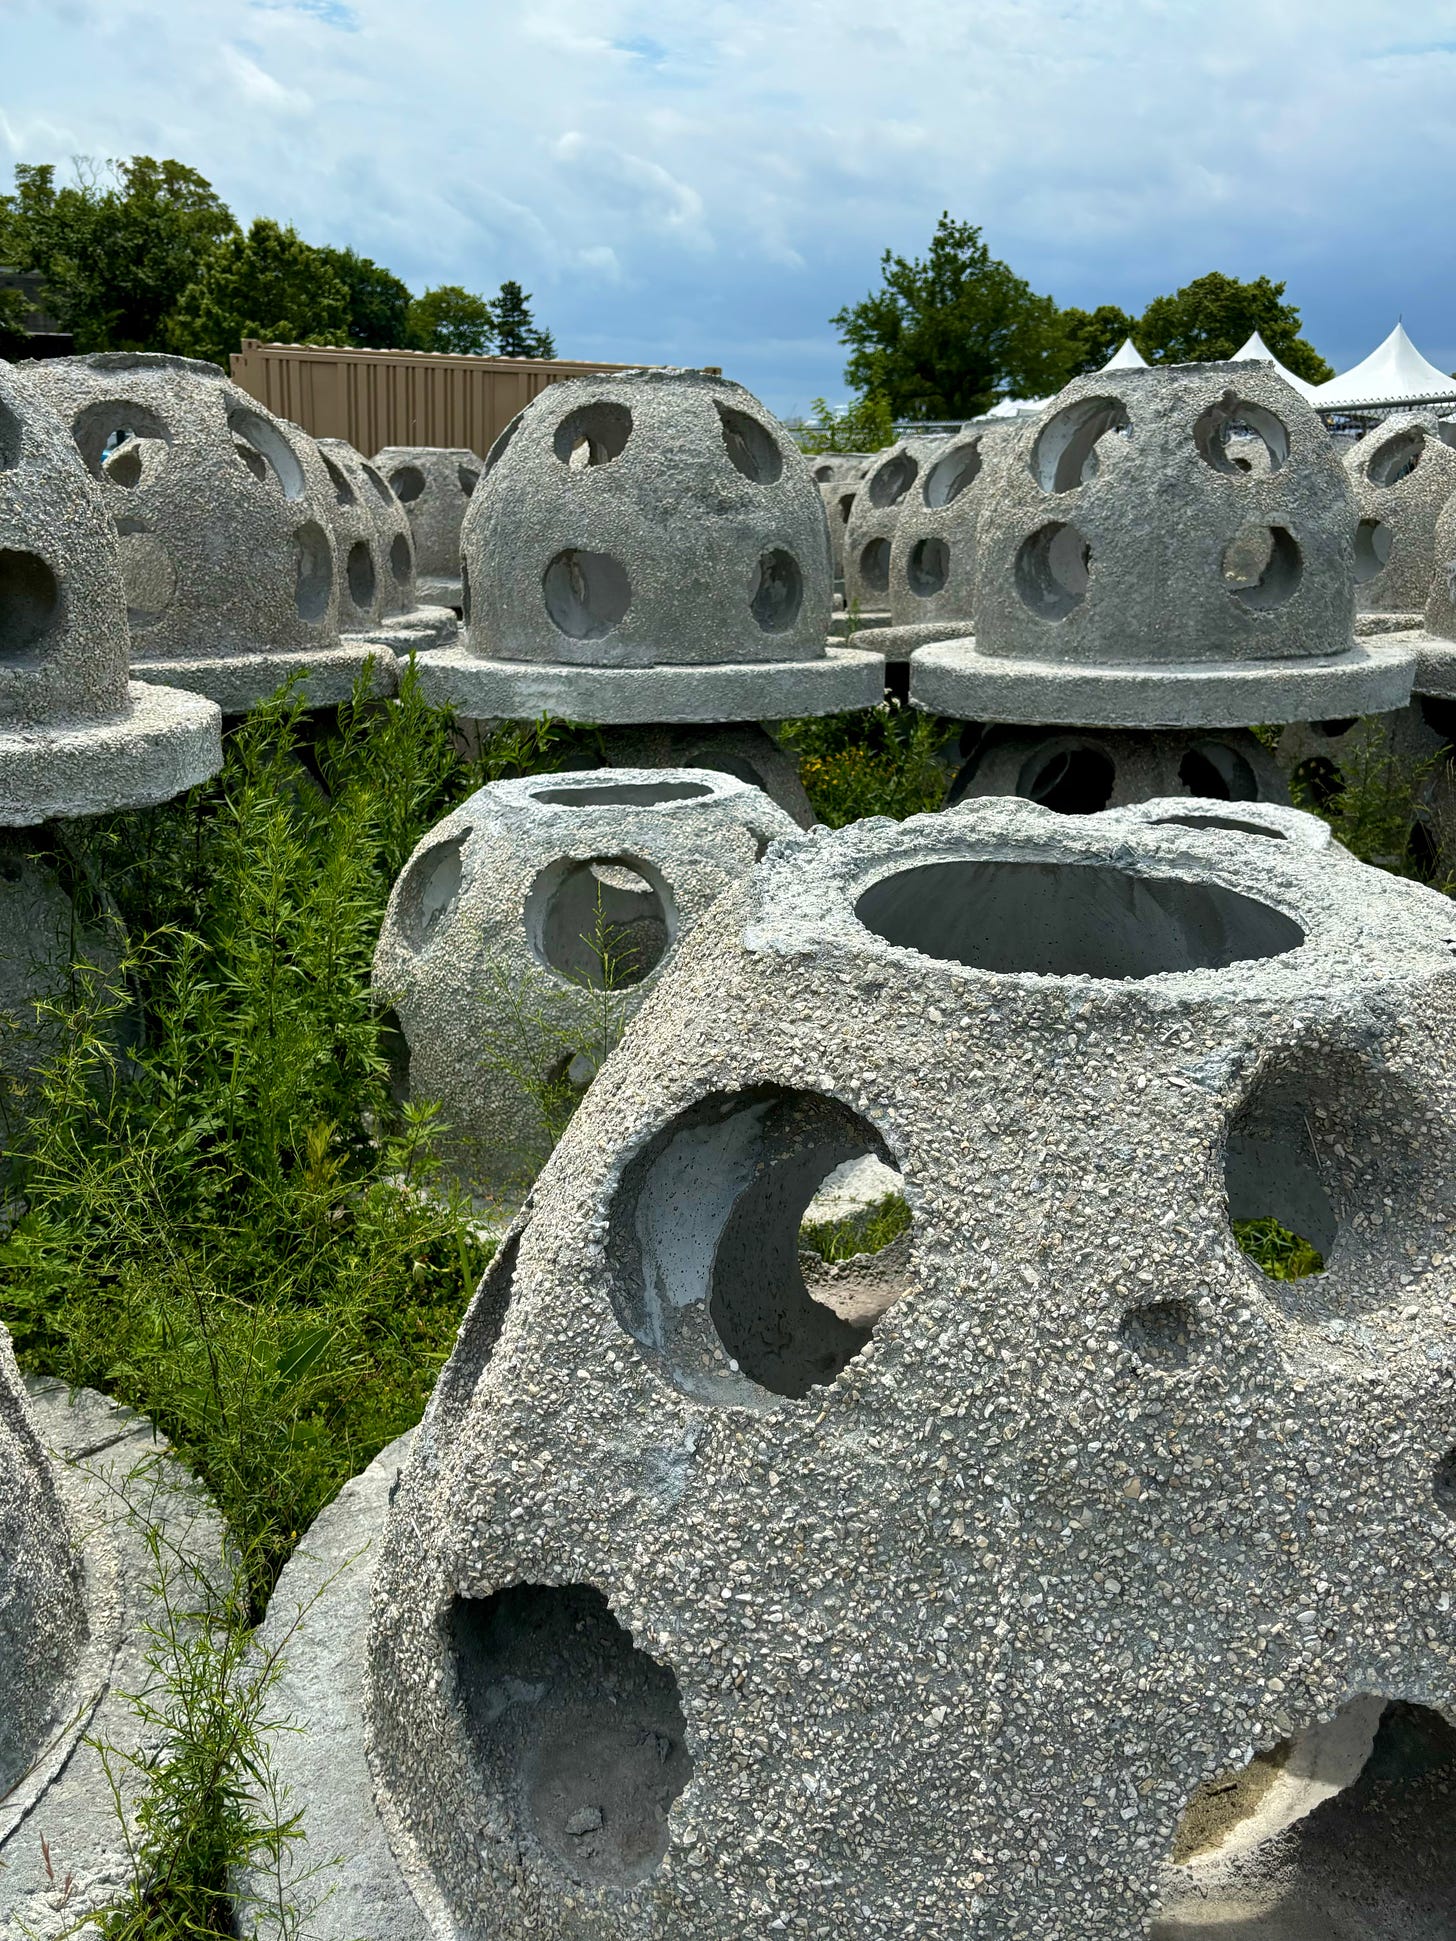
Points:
(620, 795)
(1071, 919)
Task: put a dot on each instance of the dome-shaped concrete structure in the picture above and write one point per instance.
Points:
(933, 551)
(374, 557)
(884, 491)
(1403, 473)
(434, 484)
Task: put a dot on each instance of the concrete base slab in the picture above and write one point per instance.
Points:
(899, 643)
(167, 741)
(1368, 678)
(1372, 625)
(242, 681)
(847, 678)
(63, 1848)
(443, 589)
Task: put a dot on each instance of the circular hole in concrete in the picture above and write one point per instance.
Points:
(1217, 772)
(823, 474)
(429, 889)
(1053, 570)
(592, 434)
(1065, 453)
(30, 601)
(874, 565)
(578, 1732)
(889, 481)
(928, 567)
(1262, 567)
(1397, 458)
(1219, 431)
(382, 490)
(843, 506)
(401, 560)
(1219, 822)
(1074, 780)
(587, 594)
(1372, 549)
(750, 445)
(359, 571)
(951, 473)
(408, 482)
(626, 795)
(264, 440)
(125, 444)
(705, 1247)
(1166, 1334)
(313, 571)
(777, 591)
(10, 438)
(605, 922)
(1278, 1206)
(1071, 919)
(148, 574)
(344, 493)
(469, 478)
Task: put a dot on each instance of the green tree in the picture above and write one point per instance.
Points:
(864, 425)
(379, 304)
(449, 318)
(949, 334)
(13, 312)
(1095, 335)
(268, 284)
(1215, 315)
(517, 333)
(116, 248)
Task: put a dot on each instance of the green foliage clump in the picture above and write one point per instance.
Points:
(1095, 336)
(1277, 1251)
(1383, 806)
(269, 284)
(449, 318)
(378, 304)
(1215, 315)
(867, 1232)
(864, 425)
(881, 761)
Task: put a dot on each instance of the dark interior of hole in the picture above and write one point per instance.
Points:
(1218, 822)
(1071, 919)
(892, 480)
(400, 561)
(601, 933)
(580, 1733)
(395, 1048)
(874, 565)
(1439, 715)
(949, 476)
(360, 575)
(1318, 779)
(635, 795)
(408, 483)
(1331, 730)
(1073, 781)
(750, 445)
(779, 591)
(601, 430)
(29, 602)
(1271, 1169)
(1218, 773)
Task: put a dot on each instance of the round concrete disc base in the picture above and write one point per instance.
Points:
(847, 678)
(441, 588)
(238, 682)
(899, 643)
(406, 633)
(1368, 625)
(954, 678)
(166, 741)
(1435, 663)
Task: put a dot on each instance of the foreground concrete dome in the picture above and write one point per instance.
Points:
(1403, 473)
(648, 547)
(223, 515)
(1137, 570)
(434, 484)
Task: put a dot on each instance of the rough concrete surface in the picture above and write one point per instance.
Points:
(1078, 771)
(884, 491)
(933, 553)
(1403, 474)
(434, 484)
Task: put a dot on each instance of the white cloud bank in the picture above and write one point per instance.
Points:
(705, 183)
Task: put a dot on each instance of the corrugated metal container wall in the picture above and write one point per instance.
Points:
(397, 397)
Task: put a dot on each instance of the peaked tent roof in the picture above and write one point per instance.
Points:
(1394, 373)
(1129, 358)
(1257, 349)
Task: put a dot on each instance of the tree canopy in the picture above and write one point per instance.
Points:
(1215, 315)
(1092, 336)
(379, 303)
(450, 318)
(516, 330)
(268, 284)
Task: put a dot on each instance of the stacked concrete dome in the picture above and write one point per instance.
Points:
(374, 557)
(1403, 473)
(933, 553)
(434, 484)
(223, 516)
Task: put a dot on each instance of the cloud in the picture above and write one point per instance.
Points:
(709, 182)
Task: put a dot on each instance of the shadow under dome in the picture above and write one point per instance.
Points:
(1071, 919)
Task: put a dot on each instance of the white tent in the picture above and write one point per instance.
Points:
(1129, 358)
(1256, 350)
(1395, 373)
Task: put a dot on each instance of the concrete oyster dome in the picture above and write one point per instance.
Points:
(1404, 475)
(537, 917)
(704, 1612)
(434, 484)
(642, 548)
(77, 734)
(1136, 570)
(933, 550)
(374, 557)
(889, 480)
(222, 514)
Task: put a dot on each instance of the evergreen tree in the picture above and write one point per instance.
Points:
(268, 284)
(516, 331)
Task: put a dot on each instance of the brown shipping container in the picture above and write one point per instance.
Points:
(376, 398)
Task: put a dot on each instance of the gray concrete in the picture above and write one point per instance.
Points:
(934, 552)
(76, 734)
(434, 484)
(487, 956)
(374, 560)
(115, 1480)
(1403, 474)
(1078, 771)
(1435, 643)
(222, 514)
(890, 479)
(741, 748)
(950, 1615)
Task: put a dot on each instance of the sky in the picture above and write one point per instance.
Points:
(707, 181)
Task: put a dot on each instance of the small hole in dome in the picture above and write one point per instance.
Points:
(30, 599)
(1072, 781)
(1372, 549)
(627, 795)
(468, 477)
(843, 506)
(587, 594)
(401, 560)
(777, 591)
(125, 444)
(429, 889)
(344, 493)
(587, 1765)
(1262, 567)
(1217, 433)
(874, 565)
(1053, 571)
(313, 571)
(148, 574)
(256, 438)
(928, 567)
(360, 573)
(1165, 1334)
(951, 473)
(1278, 1206)
(604, 923)
(1065, 453)
(408, 482)
(1397, 458)
(888, 483)
(382, 491)
(592, 434)
(1218, 772)
(752, 446)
